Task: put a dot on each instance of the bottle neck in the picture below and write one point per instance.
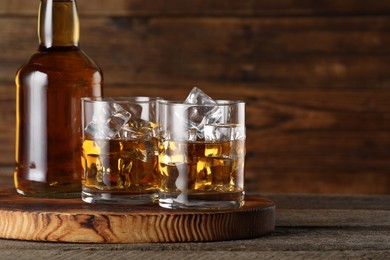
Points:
(58, 24)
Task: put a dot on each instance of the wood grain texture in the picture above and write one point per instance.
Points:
(338, 53)
(299, 141)
(75, 221)
(307, 227)
(208, 8)
(314, 75)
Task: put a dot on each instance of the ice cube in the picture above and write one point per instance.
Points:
(139, 140)
(138, 128)
(144, 150)
(129, 133)
(224, 132)
(192, 134)
(204, 110)
(107, 121)
(134, 109)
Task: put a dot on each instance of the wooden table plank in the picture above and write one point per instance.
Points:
(169, 255)
(282, 239)
(308, 226)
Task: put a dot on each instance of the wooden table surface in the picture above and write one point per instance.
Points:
(307, 226)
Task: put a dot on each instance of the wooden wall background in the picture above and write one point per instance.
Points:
(315, 75)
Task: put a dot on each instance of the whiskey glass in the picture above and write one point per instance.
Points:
(201, 154)
(119, 150)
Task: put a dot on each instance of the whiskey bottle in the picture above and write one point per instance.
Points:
(48, 117)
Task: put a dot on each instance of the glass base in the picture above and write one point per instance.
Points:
(203, 200)
(110, 197)
(66, 195)
(50, 193)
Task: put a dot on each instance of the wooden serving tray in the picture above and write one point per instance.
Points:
(72, 220)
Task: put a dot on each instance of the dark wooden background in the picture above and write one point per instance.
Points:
(315, 75)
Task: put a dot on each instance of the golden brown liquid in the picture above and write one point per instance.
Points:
(202, 167)
(48, 91)
(123, 166)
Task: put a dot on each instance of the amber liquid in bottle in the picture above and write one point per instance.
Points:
(48, 91)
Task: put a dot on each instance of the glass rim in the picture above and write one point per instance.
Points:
(120, 99)
(220, 102)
